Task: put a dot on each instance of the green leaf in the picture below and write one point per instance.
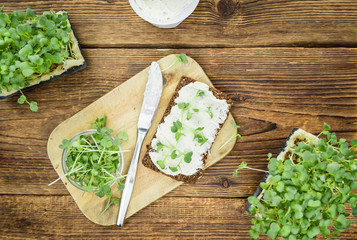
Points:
(25, 51)
(253, 200)
(292, 237)
(298, 215)
(121, 186)
(242, 165)
(178, 136)
(30, 13)
(123, 136)
(33, 106)
(65, 144)
(327, 127)
(313, 231)
(106, 141)
(173, 154)
(295, 229)
(173, 169)
(332, 211)
(235, 173)
(314, 204)
(280, 187)
(182, 57)
(159, 146)
(354, 143)
(285, 231)
(54, 44)
(188, 157)
(336, 233)
(23, 29)
(276, 201)
(21, 99)
(161, 164)
(200, 93)
(333, 167)
(174, 129)
(253, 234)
(273, 230)
(264, 185)
(189, 115)
(115, 201)
(183, 105)
(27, 72)
(36, 59)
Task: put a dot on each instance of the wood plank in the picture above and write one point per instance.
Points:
(274, 89)
(34, 217)
(220, 23)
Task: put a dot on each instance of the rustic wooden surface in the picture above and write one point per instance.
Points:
(256, 53)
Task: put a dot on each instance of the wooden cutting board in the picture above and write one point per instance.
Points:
(122, 107)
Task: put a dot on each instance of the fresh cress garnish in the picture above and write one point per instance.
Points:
(179, 128)
(179, 58)
(305, 195)
(93, 160)
(173, 154)
(232, 137)
(31, 46)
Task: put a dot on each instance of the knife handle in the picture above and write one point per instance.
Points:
(130, 179)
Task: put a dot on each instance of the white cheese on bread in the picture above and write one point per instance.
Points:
(204, 115)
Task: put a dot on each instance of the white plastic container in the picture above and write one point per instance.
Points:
(169, 23)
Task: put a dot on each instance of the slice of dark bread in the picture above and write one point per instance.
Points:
(180, 177)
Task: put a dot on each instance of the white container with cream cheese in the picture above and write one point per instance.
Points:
(164, 13)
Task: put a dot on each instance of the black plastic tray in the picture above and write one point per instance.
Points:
(259, 189)
(69, 71)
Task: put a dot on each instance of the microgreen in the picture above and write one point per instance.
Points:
(31, 46)
(173, 154)
(22, 99)
(232, 137)
(92, 161)
(209, 112)
(123, 136)
(177, 128)
(186, 107)
(179, 58)
(306, 193)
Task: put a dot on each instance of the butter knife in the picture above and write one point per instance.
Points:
(151, 100)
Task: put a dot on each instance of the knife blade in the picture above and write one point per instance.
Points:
(151, 100)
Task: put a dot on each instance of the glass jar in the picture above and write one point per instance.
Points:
(64, 158)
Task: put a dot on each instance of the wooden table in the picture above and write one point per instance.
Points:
(285, 64)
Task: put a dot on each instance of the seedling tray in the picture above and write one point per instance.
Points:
(54, 77)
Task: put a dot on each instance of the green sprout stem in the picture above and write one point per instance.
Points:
(179, 58)
(68, 173)
(256, 169)
(171, 65)
(232, 137)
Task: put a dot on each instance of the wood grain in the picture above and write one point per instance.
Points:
(167, 218)
(274, 89)
(224, 23)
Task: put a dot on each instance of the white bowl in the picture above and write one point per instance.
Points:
(170, 23)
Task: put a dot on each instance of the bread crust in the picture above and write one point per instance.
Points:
(180, 177)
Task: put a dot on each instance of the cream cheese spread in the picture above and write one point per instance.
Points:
(187, 133)
(162, 9)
